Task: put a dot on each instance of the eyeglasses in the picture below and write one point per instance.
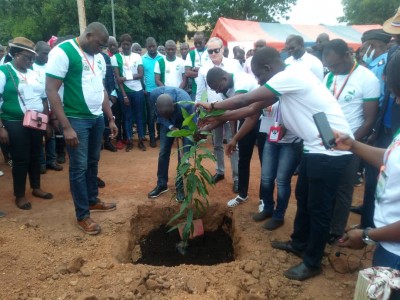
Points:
(216, 51)
(28, 57)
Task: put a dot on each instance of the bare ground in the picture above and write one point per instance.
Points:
(44, 256)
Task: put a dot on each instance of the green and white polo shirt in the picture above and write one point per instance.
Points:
(302, 95)
(196, 59)
(170, 71)
(128, 66)
(82, 75)
(242, 83)
(30, 88)
(362, 86)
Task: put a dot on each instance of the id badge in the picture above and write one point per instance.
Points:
(128, 73)
(275, 133)
(27, 91)
(266, 124)
(97, 83)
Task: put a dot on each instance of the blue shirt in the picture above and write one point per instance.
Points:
(377, 66)
(177, 95)
(148, 69)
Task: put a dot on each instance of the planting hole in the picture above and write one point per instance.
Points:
(158, 247)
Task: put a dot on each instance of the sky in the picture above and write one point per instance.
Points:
(314, 12)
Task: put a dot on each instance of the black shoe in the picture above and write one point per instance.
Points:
(43, 169)
(61, 159)
(129, 146)
(180, 195)
(109, 146)
(273, 224)
(261, 216)
(235, 187)
(153, 143)
(356, 209)
(158, 190)
(302, 272)
(217, 177)
(288, 247)
(142, 146)
(54, 166)
(100, 183)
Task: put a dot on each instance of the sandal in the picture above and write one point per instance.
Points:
(43, 195)
(237, 201)
(25, 206)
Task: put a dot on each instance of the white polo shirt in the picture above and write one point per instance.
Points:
(387, 197)
(308, 61)
(302, 95)
(228, 64)
(362, 86)
(82, 75)
(170, 71)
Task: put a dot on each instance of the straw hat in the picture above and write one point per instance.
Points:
(23, 43)
(392, 25)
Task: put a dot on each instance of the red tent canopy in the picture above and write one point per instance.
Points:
(275, 34)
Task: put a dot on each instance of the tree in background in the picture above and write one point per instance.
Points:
(206, 12)
(39, 20)
(368, 11)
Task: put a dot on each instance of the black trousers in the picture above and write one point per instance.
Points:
(25, 147)
(246, 147)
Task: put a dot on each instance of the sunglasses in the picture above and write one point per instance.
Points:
(216, 51)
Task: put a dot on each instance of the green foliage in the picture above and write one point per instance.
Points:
(195, 177)
(206, 12)
(368, 11)
(39, 20)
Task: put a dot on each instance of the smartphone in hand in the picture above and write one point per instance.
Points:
(325, 130)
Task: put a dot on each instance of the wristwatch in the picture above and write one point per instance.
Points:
(366, 239)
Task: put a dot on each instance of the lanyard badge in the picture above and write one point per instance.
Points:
(276, 132)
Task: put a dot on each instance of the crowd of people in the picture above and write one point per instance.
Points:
(98, 92)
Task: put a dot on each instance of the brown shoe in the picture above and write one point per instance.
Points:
(87, 225)
(102, 206)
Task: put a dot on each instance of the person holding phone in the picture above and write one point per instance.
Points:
(387, 196)
(301, 95)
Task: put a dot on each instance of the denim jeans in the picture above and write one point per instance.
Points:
(83, 163)
(384, 258)
(218, 137)
(135, 108)
(151, 116)
(164, 157)
(25, 146)
(48, 153)
(316, 193)
(278, 164)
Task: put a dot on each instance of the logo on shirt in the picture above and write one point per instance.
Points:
(349, 96)
(86, 67)
(177, 68)
(99, 65)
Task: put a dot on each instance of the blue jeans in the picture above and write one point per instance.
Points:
(384, 258)
(135, 108)
(278, 163)
(83, 163)
(316, 190)
(151, 116)
(164, 156)
(48, 153)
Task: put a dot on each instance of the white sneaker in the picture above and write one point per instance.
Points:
(1, 173)
(261, 206)
(236, 201)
